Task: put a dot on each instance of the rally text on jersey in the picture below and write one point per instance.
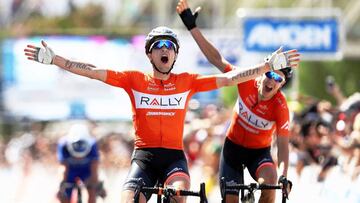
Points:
(153, 101)
(251, 118)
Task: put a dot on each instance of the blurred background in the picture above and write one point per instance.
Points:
(38, 103)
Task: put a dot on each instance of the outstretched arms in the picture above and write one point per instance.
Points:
(46, 55)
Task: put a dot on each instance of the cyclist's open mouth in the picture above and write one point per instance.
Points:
(268, 89)
(164, 59)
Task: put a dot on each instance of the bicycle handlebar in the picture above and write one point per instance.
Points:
(169, 192)
(253, 186)
(250, 187)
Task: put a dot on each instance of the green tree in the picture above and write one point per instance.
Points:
(312, 76)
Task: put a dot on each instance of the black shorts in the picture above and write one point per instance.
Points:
(234, 157)
(154, 166)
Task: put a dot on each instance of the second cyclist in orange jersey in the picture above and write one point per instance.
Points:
(260, 112)
(254, 121)
(159, 107)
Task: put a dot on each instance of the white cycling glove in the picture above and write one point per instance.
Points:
(278, 60)
(44, 55)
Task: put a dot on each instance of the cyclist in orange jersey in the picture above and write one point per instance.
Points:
(159, 102)
(261, 110)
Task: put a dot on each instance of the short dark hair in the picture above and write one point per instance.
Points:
(288, 73)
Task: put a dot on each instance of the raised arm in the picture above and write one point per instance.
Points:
(46, 55)
(275, 61)
(211, 53)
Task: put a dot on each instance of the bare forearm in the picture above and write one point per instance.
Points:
(283, 162)
(94, 172)
(240, 75)
(283, 157)
(79, 68)
(210, 52)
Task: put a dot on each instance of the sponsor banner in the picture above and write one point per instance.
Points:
(314, 36)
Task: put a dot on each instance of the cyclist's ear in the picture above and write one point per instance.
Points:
(149, 56)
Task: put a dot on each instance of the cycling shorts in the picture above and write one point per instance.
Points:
(234, 157)
(155, 166)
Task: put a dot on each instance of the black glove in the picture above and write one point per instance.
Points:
(61, 194)
(100, 191)
(287, 185)
(188, 18)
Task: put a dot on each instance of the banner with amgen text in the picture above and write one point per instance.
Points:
(316, 38)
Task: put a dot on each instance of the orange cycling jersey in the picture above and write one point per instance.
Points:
(253, 123)
(158, 106)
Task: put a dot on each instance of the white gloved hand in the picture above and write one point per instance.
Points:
(43, 55)
(278, 60)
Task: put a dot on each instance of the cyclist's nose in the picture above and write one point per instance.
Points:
(164, 49)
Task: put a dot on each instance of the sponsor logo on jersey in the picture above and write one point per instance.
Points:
(169, 87)
(251, 118)
(153, 101)
(153, 88)
(176, 169)
(160, 113)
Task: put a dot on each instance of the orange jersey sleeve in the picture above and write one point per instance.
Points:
(282, 118)
(204, 83)
(118, 79)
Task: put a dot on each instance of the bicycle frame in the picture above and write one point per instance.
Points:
(168, 193)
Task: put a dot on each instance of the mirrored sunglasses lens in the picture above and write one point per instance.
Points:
(275, 76)
(159, 44)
